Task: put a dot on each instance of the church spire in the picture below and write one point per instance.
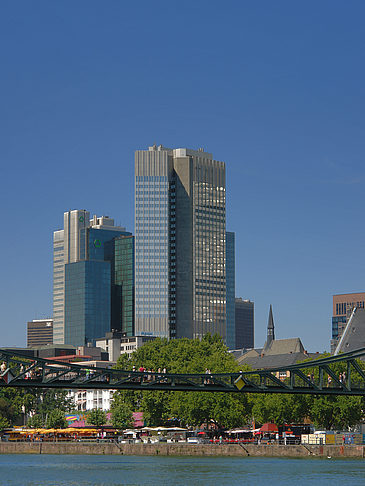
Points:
(270, 329)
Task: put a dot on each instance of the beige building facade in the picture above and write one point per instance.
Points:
(180, 231)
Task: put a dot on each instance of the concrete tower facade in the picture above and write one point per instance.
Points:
(180, 238)
(66, 249)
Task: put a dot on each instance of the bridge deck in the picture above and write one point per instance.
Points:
(319, 377)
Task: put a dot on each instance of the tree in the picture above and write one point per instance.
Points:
(96, 417)
(185, 356)
(336, 412)
(35, 422)
(56, 420)
(4, 423)
(279, 409)
(122, 415)
(7, 410)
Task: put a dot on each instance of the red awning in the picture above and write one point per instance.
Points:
(269, 428)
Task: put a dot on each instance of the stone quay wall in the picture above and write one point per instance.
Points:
(181, 449)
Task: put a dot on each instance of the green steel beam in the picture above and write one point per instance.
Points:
(55, 374)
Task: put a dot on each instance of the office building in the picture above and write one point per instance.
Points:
(87, 301)
(231, 290)
(116, 343)
(83, 278)
(123, 285)
(180, 236)
(244, 324)
(342, 305)
(353, 336)
(66, 243)
(39, 332)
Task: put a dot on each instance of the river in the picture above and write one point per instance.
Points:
(77, 470)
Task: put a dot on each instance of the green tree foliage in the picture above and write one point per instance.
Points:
(96, 417)
(50, 400)
(7, 410)
(12, 402)
(186, 356)
(4, 423)
(122, 415)
(17, 401)
(336, 412)
(279, 409)
(324, 411)
(35, 422)
(56, 420)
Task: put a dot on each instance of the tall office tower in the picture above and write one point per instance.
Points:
(231, 290)
(342, 307)
(39, 332)
(180, 259)
(122, 252)
(245, 327)
(66, 248)
(79, 266)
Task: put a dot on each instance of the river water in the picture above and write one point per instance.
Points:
(55, 470)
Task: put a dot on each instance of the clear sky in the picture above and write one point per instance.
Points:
(274, 89)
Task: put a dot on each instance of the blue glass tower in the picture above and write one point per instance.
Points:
(87, 296)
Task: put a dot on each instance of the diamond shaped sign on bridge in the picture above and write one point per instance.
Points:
(240, 383)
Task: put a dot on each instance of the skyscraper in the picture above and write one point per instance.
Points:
(180, 238)
(244, 327)
(82, 277)
(123, 285)
(231, 290)
(66, 248)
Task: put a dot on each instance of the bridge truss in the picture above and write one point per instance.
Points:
(336, 375)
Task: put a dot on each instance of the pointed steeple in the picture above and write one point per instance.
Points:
(270, 329)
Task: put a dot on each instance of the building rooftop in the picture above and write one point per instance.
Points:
(282, 346)
(353, 336)
(273, 361)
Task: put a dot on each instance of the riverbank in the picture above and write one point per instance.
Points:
(180, 449)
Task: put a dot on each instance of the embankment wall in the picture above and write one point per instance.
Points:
(180, 449)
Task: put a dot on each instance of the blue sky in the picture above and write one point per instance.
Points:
(274, 89)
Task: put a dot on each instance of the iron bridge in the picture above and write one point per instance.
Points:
(318, 377)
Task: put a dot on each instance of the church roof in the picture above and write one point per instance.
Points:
(282, 346)
(281, 352)
(273, 361)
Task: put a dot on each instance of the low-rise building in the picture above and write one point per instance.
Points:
(39, 332)
(117, 343)
(86, 400)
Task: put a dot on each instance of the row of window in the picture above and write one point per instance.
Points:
(343, 307)
(150, 179)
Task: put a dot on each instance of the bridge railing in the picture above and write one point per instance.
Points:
(343, 374)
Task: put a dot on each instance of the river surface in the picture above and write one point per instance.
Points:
(77, 470)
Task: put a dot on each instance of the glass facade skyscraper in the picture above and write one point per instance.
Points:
(82, 277)
(231, 290)
(87, 301)
(245, 326)
(123, 285)
(152, 243)
(180, 255)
